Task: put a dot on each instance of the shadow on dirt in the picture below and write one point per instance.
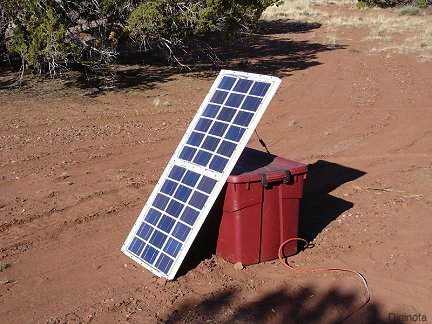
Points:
(265, 52)
(304, 305)
(318, 207)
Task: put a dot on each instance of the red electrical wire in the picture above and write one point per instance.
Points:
(284, 261)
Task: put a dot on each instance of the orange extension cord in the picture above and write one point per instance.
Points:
(284, 261)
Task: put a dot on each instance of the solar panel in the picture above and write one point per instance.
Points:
(197, 171)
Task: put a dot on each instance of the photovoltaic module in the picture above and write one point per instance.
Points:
(197, 171)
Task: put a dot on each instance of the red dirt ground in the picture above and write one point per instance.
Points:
(76, 171)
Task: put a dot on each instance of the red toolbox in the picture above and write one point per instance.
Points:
(260, 208)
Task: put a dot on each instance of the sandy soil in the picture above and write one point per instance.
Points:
(75, 170)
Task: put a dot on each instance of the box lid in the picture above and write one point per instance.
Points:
(253, 164)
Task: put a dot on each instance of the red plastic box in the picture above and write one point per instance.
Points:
(260, 208)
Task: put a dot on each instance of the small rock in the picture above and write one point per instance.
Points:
(238, 266)
(292, 123)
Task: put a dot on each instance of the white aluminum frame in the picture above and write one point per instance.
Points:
(219, 177)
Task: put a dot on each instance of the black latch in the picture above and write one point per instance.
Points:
(264, 181)
(288, 177)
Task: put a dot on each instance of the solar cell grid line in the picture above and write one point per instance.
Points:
(186, 191)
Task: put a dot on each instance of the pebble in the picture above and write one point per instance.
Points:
(238, 266)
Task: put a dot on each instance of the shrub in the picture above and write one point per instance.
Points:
(50, 35)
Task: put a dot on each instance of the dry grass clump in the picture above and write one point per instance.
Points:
(402, 30)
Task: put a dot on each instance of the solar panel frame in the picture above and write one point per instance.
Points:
(203, 171)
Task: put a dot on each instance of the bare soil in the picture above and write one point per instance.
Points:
(76, 169)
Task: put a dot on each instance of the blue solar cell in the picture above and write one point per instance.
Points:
(210, 143)
(182, 193)
(206, 184)
(174, 208)
(243, 86)
(198, 200)
(181, 231)
(136, 246)
(202, 158)
(160, 201)
(219, 97)
(234, 100)
(243, 118)
(195, 139)
(235, 133)
(177, 173)
(164, 263)
(203, 124)
(218, 163)
(169, 187)
(227, 83)
(158, 239)
(218, 128)
(187, 153)
(226, 148)
(260, 89)
(251, 103)
(145, 231)
(191, 178)
(226, 114)
(189, 216)
(153, 216)
(149, 254)
(211, 110)
(166, 223)
(172, 247)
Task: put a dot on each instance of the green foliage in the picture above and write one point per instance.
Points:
(422, 3)
(52, 34)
